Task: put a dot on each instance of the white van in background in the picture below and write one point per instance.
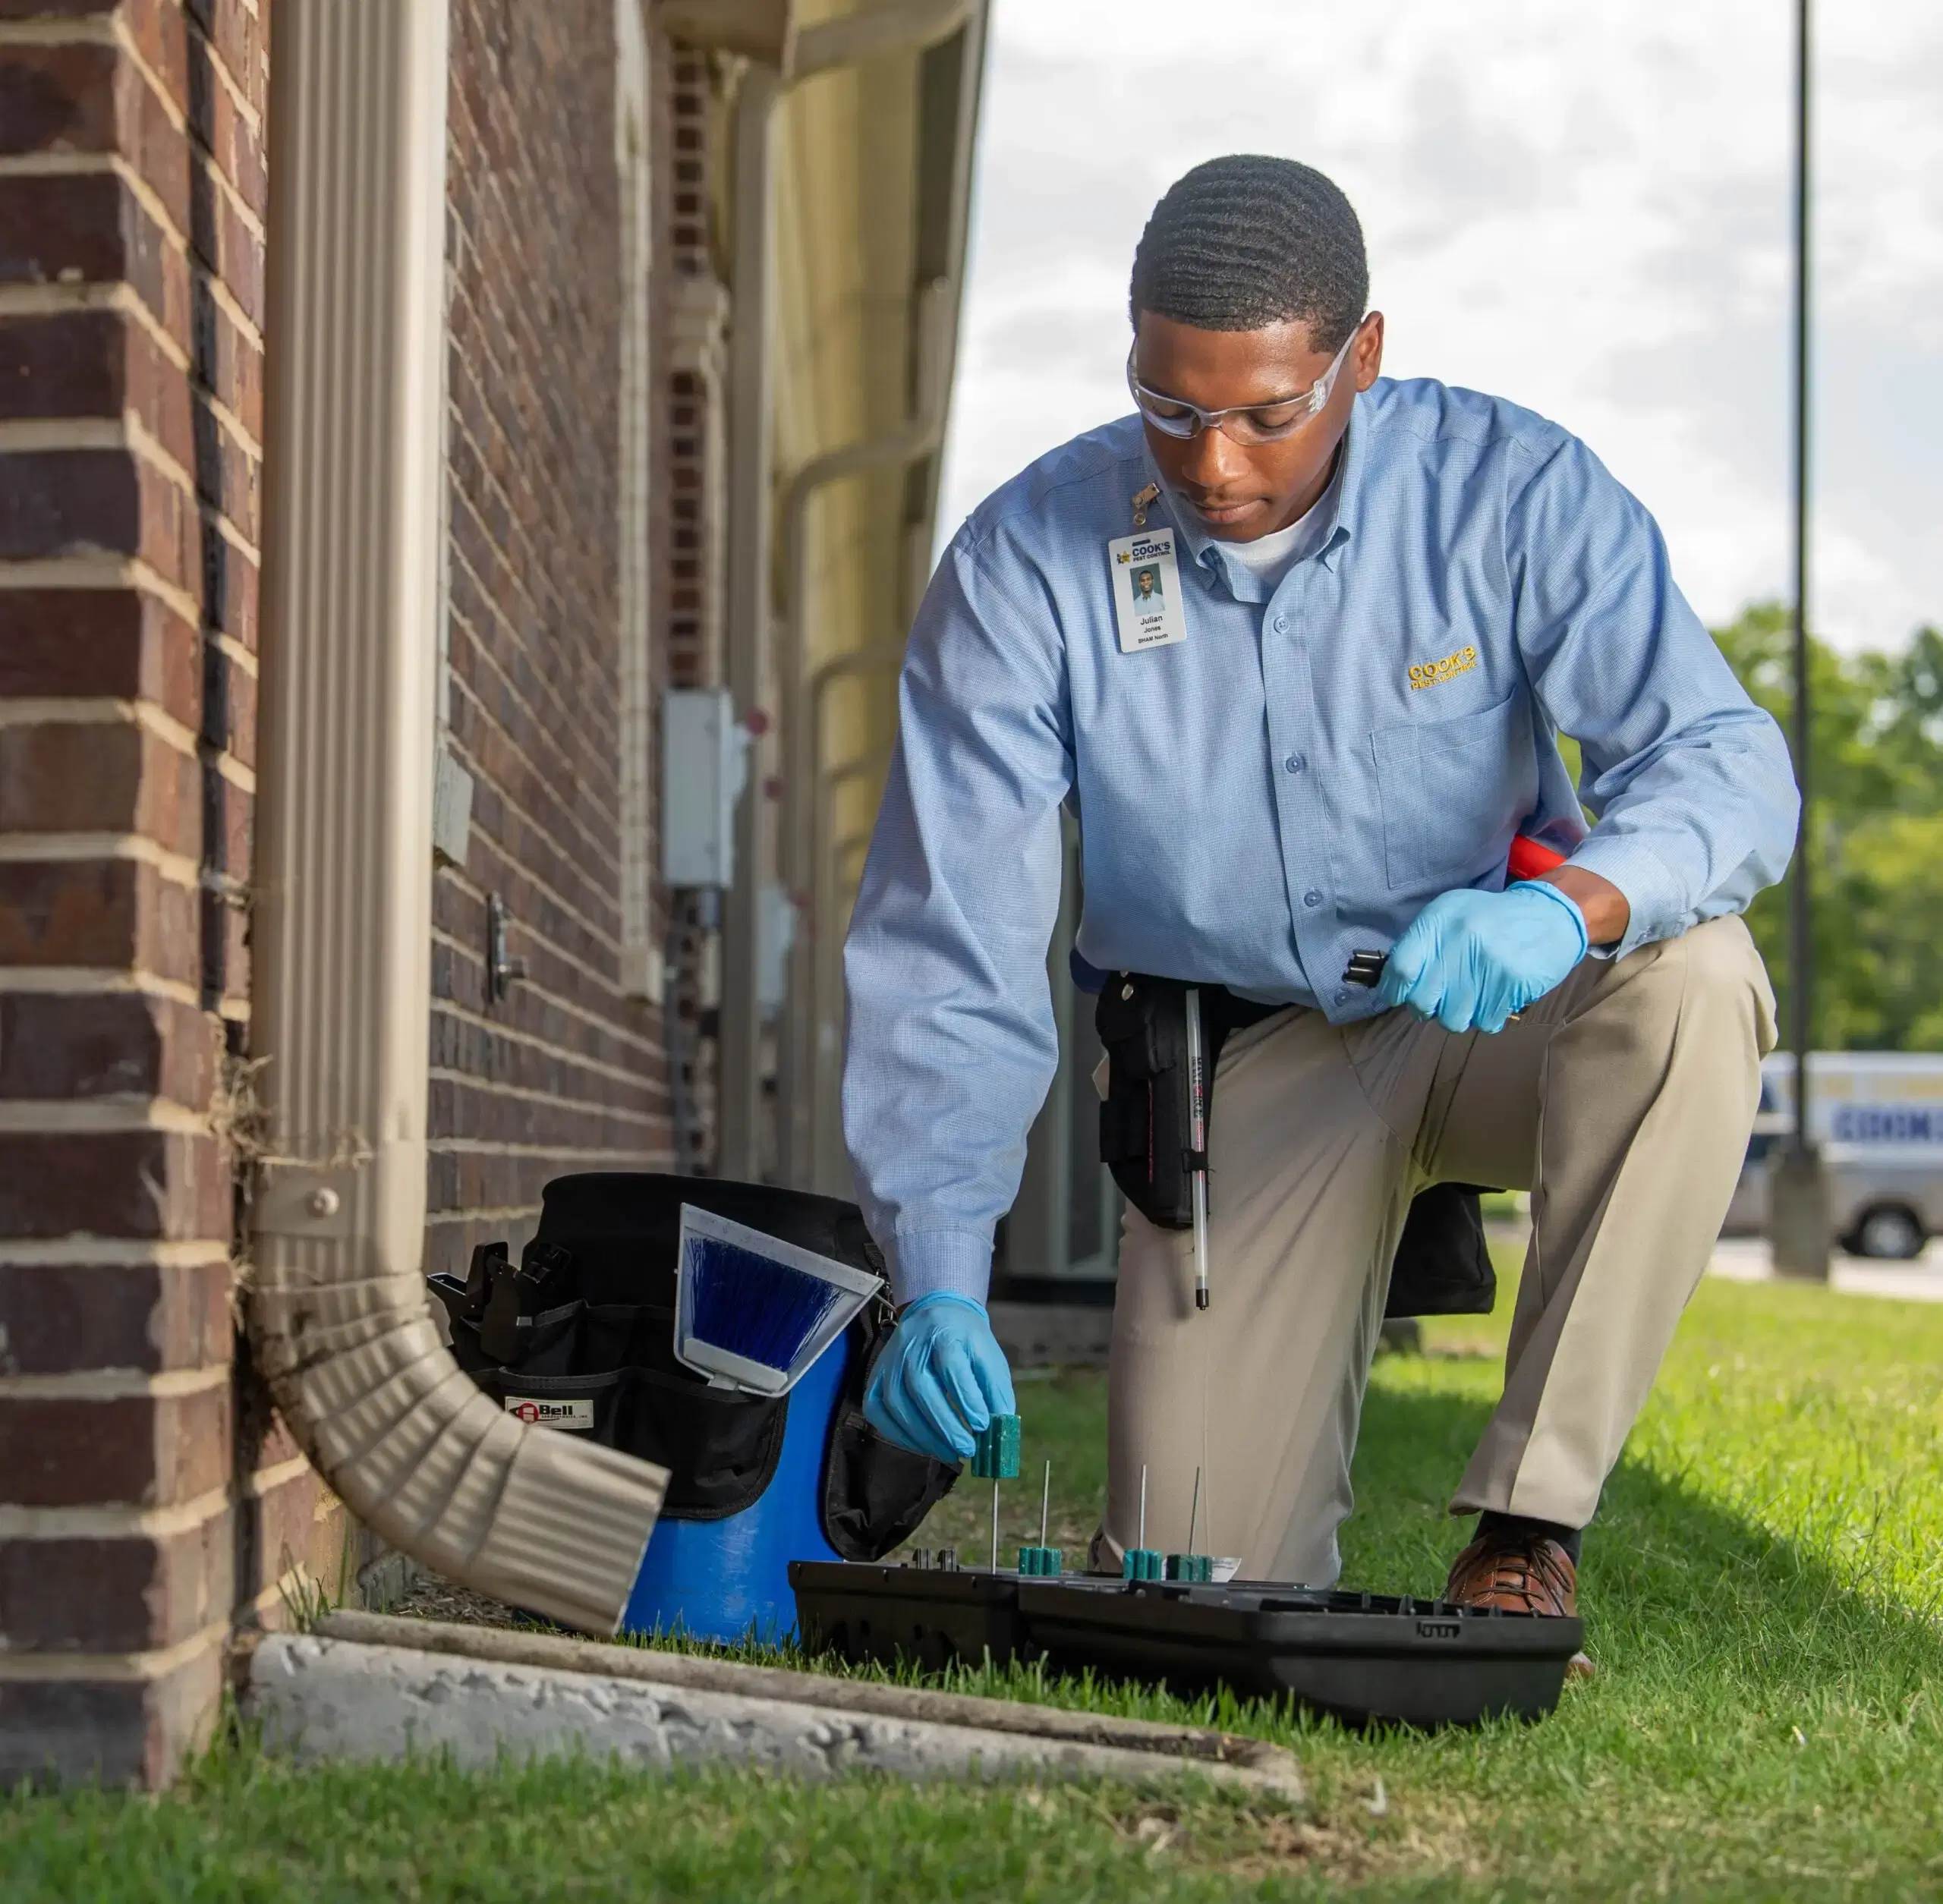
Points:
(1878, 1118)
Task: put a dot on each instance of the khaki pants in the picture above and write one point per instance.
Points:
(1623, 1100)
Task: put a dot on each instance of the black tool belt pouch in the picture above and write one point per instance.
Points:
(580, 1335)
(1146, 1118)
(1442, 1266)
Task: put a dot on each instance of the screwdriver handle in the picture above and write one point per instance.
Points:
(1528, 858)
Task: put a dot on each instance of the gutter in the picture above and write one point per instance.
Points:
(338, 1314)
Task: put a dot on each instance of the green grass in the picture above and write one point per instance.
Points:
(1761, 1589)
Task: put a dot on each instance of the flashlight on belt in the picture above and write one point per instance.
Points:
(1528, 858)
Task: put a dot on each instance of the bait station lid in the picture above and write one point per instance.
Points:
(1361, 1656)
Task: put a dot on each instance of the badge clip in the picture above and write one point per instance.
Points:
(1141, 500)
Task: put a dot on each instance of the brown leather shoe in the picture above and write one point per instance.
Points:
(1523, 1574)
(1516, 1571)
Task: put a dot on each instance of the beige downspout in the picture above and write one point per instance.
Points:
(339, 1311)
(897, 25)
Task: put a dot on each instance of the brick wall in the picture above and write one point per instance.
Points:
(565, 1072)
(146, 1500)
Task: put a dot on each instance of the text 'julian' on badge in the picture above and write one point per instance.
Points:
(1147, 590)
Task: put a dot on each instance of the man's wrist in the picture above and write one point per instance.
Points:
(1605, 910)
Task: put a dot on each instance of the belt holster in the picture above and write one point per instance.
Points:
(1442, 1266)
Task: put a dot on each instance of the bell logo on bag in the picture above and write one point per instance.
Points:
(575, 1416)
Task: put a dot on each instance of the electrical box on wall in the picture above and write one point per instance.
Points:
(704, 764)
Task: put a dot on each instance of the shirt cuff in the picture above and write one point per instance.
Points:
(931, 1262)
(1654, 902)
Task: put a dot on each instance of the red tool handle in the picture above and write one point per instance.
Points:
(1529, 857)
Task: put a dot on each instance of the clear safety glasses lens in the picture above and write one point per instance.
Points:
(1246, 425)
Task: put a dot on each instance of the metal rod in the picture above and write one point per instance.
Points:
(1801, 946)
(1046, 1505)
(1197, 1093)
(1194, 1511)
(995, 1527)
(1140, 1541)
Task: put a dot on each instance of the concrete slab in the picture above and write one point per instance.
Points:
(319, 1697)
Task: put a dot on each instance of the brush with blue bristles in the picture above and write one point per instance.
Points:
(753, 1312)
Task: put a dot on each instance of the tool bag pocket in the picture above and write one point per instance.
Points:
(1442, 1266)
(582, 1404)
(720, 1449)
(1145, 1126)
(875, 1494)
(583, 1328)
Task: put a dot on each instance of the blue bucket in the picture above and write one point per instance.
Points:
(729, 1580)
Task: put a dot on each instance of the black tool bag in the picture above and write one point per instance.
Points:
(1442, 1267)
(579, 1335)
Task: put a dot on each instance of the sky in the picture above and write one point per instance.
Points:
(1582, 205)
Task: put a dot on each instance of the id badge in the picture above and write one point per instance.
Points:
(1147, 590)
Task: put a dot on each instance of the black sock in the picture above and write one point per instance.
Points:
(1568, 1537)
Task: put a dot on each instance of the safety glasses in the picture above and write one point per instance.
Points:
(1245, 424)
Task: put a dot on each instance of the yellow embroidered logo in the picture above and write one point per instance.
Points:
(1428, 674)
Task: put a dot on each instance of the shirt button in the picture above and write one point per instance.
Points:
(1281, 625)
(1294, 763)
(1312, 898)
(1342, 998)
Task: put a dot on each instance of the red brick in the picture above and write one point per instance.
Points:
(98, 364)
(85, 502)
(62, 1046)
(119, 1732)
(90, 228)
(62, 1317)
(143, 1451)
(236, 38)
(111, 642)
(134, 1594)
(295, 1523)
(97, 777)
(165, 1185)
(60, 502)
(59, 98)
(106, 913)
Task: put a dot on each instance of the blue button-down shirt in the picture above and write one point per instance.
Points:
(1291, 782)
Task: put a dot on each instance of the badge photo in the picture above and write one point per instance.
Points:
(1147, 590)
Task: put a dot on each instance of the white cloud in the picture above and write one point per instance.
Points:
(1586, 208)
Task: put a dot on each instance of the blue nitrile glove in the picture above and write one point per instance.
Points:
(941, 1380)
(1469, 960)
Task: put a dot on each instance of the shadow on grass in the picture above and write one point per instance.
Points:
(1674, 1585)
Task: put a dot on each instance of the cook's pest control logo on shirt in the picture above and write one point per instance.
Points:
(1433, 674)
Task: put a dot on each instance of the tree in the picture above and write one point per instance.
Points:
(1877, 847)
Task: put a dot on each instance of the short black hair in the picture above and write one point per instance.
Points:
(1247, 241)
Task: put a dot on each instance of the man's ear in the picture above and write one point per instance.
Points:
(1366, 357)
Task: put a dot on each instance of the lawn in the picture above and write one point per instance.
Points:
(1761, 1588)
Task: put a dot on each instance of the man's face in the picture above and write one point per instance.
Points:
(1146, 583)
(1239, 491)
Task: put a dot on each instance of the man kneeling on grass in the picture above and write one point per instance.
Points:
(1376, 606)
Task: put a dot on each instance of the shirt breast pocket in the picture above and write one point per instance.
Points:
(1452, 789)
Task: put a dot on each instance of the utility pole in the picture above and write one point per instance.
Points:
(1798, 1212)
